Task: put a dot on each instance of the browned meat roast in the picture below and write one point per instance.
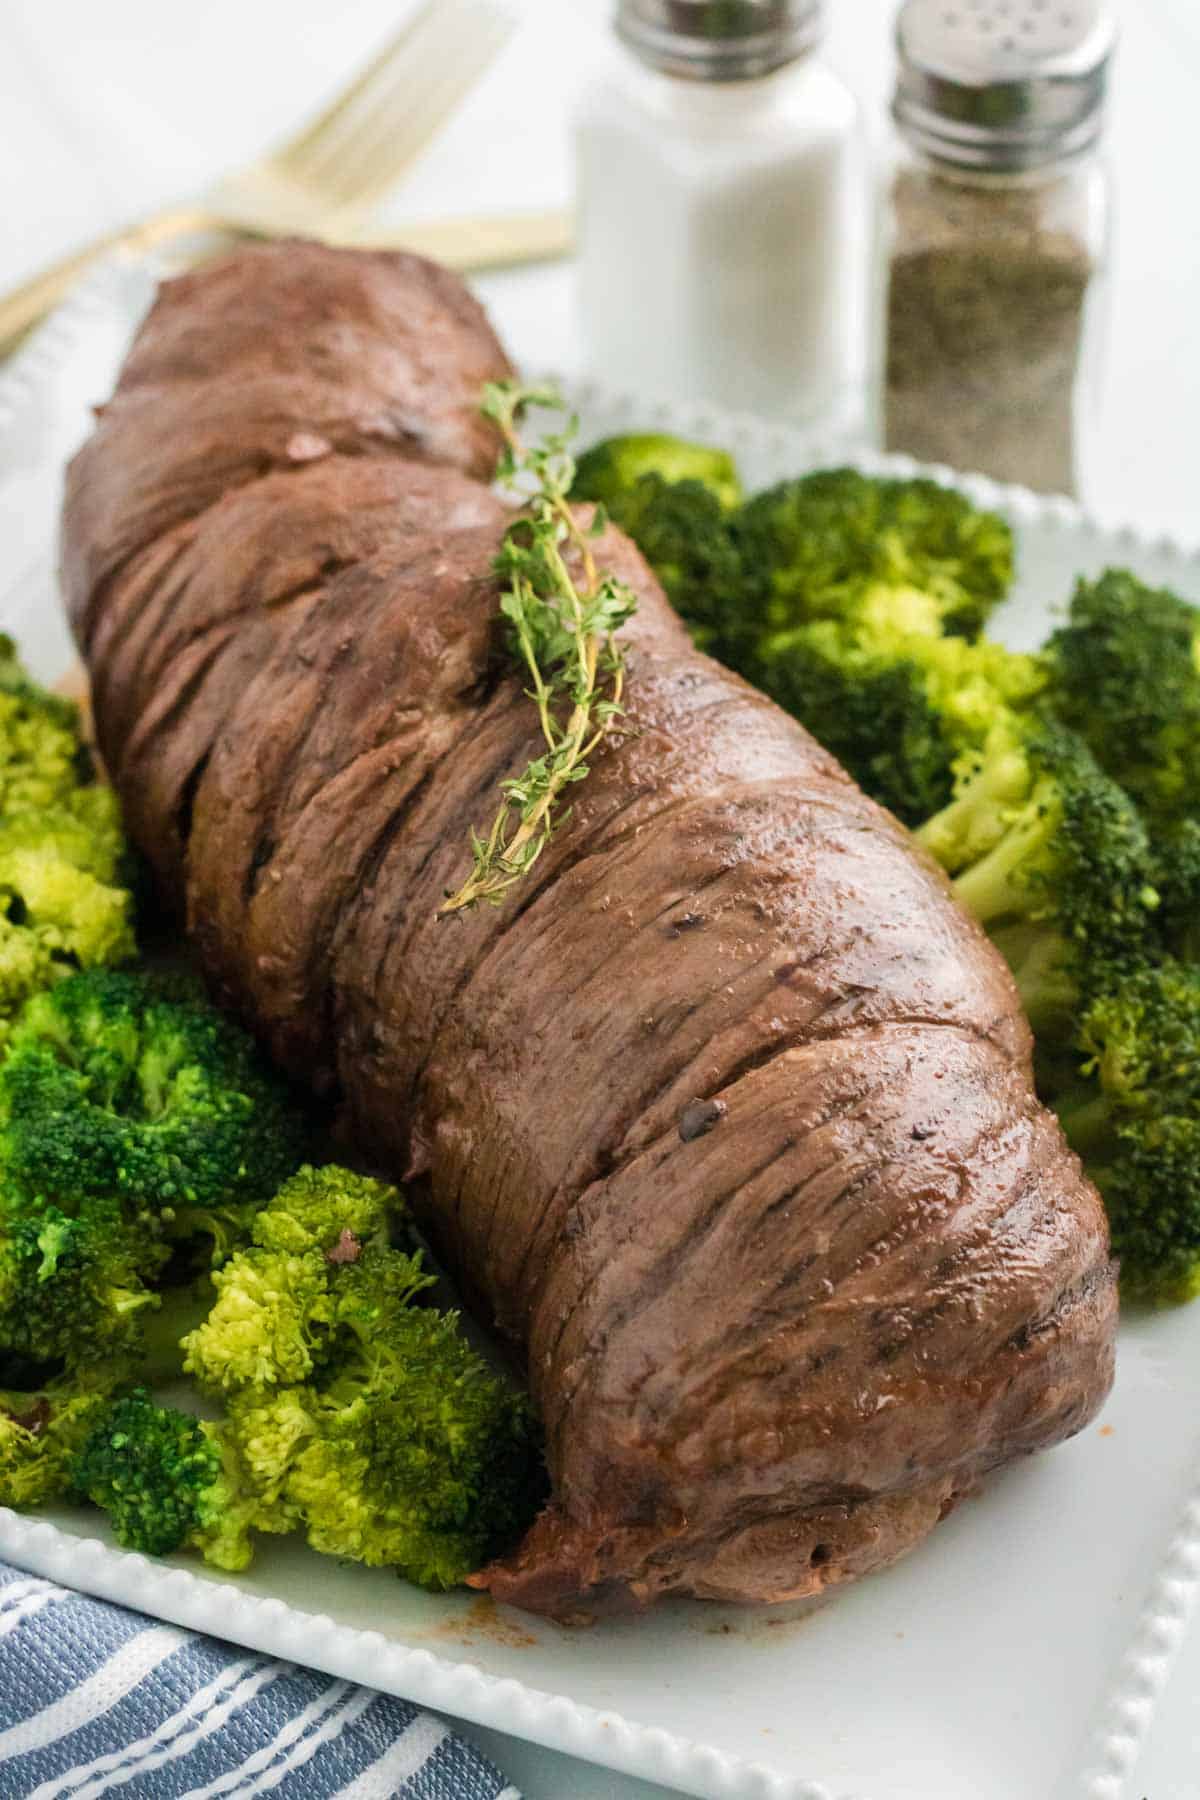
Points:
(726, 1116)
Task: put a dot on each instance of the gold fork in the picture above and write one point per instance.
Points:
(324, 180)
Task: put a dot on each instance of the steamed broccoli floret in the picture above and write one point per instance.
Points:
(131, 1086)
(84, 828)
(137, 1129)
(1177, 878)
(62, 905)
(59, 878)
(368, 1419)
(899, 708)
(860, 602)
(1134, 1116)
(41, 1433)
(1126, 671)
(824, 545)
(674, 500)
(167, 1481)
(872, 710)
(419, 1458)
(609, 471)
(42, 756)
(274, 1320)
(1053, 859)
(266, 1430)
(73, 1289)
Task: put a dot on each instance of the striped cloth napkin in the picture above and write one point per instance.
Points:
(96, 1700)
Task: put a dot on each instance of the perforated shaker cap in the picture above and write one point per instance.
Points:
(1003, 84)
(720, 40)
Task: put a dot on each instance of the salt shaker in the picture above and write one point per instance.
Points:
(719, 177)
(995, 239)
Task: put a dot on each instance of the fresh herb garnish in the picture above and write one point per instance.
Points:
(562, 628)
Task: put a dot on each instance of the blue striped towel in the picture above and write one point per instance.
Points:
(96, 1700)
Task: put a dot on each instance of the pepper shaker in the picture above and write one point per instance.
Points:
(996, 235)
(720, 200)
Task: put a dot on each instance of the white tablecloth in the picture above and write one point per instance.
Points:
(111, 109)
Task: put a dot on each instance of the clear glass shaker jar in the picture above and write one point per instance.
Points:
(995, 237)
(719, 183)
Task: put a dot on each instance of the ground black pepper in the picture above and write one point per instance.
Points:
(986, 310)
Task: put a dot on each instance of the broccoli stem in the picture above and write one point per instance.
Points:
(1040, 960)
(974, 823)
(992, 888)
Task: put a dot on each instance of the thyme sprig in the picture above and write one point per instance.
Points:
(562, 630)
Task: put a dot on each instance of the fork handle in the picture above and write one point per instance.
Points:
(494, 241)
(21, 309)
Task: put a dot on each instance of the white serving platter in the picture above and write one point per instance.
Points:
(1017, 1655)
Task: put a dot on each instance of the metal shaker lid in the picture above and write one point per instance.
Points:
(1003, 84)
(720, 40)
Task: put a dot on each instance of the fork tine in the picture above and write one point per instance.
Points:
(364, 142)
(349, 96)
(388, 127)
(380, 153)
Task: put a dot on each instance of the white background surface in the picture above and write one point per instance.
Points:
(107, 110)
